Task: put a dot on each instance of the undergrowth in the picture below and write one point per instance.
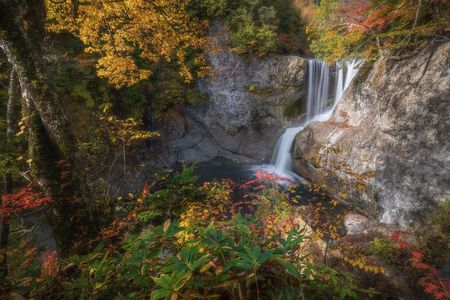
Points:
(179, 239)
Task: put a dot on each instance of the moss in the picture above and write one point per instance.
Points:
(231, 131)
(364, 72)
(266, 90)
(294, 109)
(42, 151)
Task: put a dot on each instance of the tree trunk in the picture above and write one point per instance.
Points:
(13, 95)
(51, 142)
(21, 37)
(65, 215)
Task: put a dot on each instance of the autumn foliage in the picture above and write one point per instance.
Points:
(50, 266)
(129, 36)
(25, 199)
(430, 279)
(342, 29)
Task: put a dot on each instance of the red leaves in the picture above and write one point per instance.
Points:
(25, 199)
(249, 183)
(262, 179)
(404, 244)
(397, 234)
(270, 177)
(364, 17)
(434, 285)
(430, 280)
(231, 183)
(416, 254)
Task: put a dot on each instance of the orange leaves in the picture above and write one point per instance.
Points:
(50, 266)
(145, 191)
(364, 17)
(129, 35)
(342, 29)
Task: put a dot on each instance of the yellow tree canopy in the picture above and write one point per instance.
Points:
(123, 32)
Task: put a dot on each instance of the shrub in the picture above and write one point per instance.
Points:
(221, 247)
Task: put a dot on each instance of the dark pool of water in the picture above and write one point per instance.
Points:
(221, 168)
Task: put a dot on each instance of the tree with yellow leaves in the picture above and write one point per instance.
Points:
(129, 35)
(126, 36)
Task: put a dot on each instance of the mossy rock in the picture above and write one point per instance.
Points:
(294, 109)
(266, 91)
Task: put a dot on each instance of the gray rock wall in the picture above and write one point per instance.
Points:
(245, 113)
(387, 146)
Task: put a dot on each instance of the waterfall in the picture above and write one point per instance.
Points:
(318, 82)
(318, 106)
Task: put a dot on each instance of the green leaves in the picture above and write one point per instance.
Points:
(169, 285)
(292, 269)
(241, 224)
(188, 260)
(253, 258)
(223, 259)
(167, 231)
(293, 239)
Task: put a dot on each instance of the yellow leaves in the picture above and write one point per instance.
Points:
(121, 30)
(124, 131)
(121, 71)
(334, 202)
(344, 196)
(362, 264)
(166, 225)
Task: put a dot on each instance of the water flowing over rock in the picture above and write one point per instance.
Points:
(387, 146)
(247, 109)
(318, 107)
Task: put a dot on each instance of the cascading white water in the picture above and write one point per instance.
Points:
(318, 108)
(318, 82)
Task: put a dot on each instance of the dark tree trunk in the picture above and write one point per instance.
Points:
(13, 96)
(21, 37)
(51, 142)
(66, 214)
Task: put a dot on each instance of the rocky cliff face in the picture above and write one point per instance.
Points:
(248, 107)
(387, 146)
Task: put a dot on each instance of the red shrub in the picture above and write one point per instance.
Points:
(25, 199)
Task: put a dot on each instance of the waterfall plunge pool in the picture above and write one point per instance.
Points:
(222, 168)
